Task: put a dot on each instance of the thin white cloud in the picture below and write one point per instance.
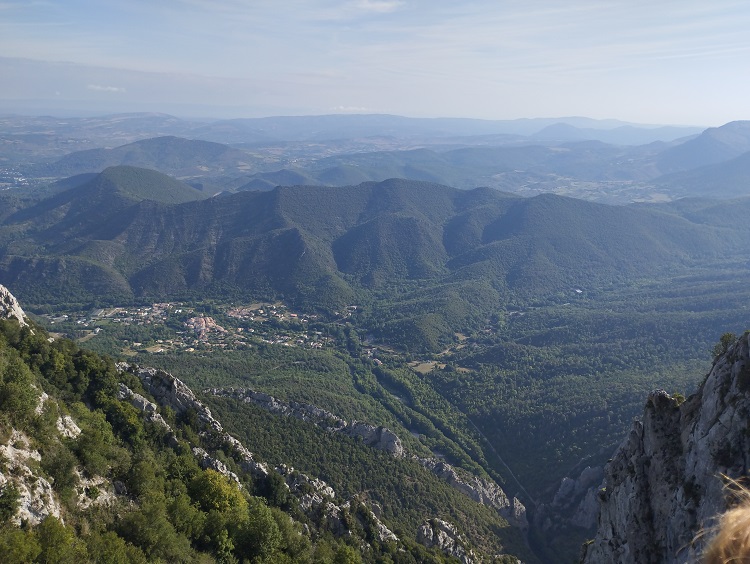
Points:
(100, 88)
(377, 6)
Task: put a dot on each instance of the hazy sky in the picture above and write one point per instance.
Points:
(654, 61)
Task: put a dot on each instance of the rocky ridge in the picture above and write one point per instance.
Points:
(36, 498)
(314, 494)
(375, 436)
(664, 483)
(481, 490)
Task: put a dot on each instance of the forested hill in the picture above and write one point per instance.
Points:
(169, 154)
(131, 232)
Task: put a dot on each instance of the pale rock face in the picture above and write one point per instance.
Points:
(37, 499)
(481, 490)
(67, 427)
(663, 484)
(148, 408)
(575, 503)
(376, 437)
(335, 521)
(9, 307)
(208, 462)
(299, 482)
(94, 491)
(382, 533)
(445, 536)
(587, 511)
(43, 397)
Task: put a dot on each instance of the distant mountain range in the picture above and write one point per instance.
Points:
(30, 141)
(559, 159)
(321, 128)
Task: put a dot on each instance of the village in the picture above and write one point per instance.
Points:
(176, 326)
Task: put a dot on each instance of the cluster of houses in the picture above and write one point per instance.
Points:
(242, 326)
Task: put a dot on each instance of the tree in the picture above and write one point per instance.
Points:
(18, 395)
(59, 544)
(261, 536)
(212, 491)
(112, 549)
(726, 341)
(8, 502)
(149, 529)
(17, 546)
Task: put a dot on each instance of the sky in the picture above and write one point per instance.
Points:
(656, 61)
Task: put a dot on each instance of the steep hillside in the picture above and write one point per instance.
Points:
(728, 179)
(664, 485)
(93, 201)
(110, 463)
(714, 145)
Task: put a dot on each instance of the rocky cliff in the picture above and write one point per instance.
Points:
(664, 483)
(10, 308)
(315, 496)
(481, 490)
(443, 535)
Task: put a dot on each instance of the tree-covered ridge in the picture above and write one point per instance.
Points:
(170, 155)
(325, 248)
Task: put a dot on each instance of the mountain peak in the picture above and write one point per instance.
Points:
(137, 184)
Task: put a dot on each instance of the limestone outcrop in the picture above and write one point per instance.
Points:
(148, 408)
(314, 494)
(575, 504)
(481, 490)
(664, 483)
(444, 536)
(172, 392)
(10, 308)
(375, 436)
(36, 498)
